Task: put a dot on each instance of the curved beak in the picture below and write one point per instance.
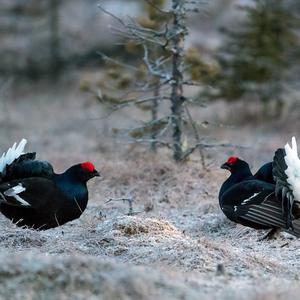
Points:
(226, 166)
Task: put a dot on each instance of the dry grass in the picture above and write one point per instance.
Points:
(178, 236)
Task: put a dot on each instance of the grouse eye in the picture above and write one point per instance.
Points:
(232, 160)
(88, 166)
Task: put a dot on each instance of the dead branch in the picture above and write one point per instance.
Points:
(154, 69)
(115, 61)
(150, 123)
(129, 102)
(196, 134)
(156, 7)
(203, 145)
(112, 15)
(129, 200)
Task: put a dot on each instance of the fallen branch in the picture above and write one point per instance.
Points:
(130, 200)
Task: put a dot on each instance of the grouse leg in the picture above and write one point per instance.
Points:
(272, 234)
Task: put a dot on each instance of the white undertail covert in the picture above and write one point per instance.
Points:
(14, 192)
(293, 168)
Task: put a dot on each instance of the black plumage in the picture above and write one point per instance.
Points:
(283, 189)
(32, 195)
(28, 168)
(265, 173)
(251, 202)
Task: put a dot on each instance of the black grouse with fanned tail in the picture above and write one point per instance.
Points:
(286, 172)
(241, 194)
(32, 195)
(259, 204)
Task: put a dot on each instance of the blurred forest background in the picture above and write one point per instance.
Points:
(238, 62)
(134, 86)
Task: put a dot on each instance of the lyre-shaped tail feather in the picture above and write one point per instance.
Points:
(286, 172)
(293, 168)
(282, 190)
(12, 153)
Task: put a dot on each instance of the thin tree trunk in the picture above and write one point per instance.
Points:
(55, 59)
(179, 31)
(197, 137)
(154, 113)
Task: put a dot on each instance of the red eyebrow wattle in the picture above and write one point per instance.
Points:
(232, 160)
(88, 166)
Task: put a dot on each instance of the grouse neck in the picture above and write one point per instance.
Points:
(240, 175)
(235, 178)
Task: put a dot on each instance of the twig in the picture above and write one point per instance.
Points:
(157, 8)
(127, 103)
(136, 101)
(117, 62)
(204, 145)
(151, 69)
(132, 29)
(130, 202)
(160, 134)
(197, 136)
(154, 111)
(112, 15)
(78, 205)
(150, 123)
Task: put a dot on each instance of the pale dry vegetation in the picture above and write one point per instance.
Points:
(173, 245)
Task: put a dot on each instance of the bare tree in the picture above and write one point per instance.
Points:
(169, 68)
(178, 32)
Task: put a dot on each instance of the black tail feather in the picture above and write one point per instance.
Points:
(268, 213)
(296, 228)
(279, 165)
(282, 189)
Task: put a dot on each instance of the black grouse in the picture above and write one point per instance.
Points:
(32, 195)
(259, 204)
(265, 173)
